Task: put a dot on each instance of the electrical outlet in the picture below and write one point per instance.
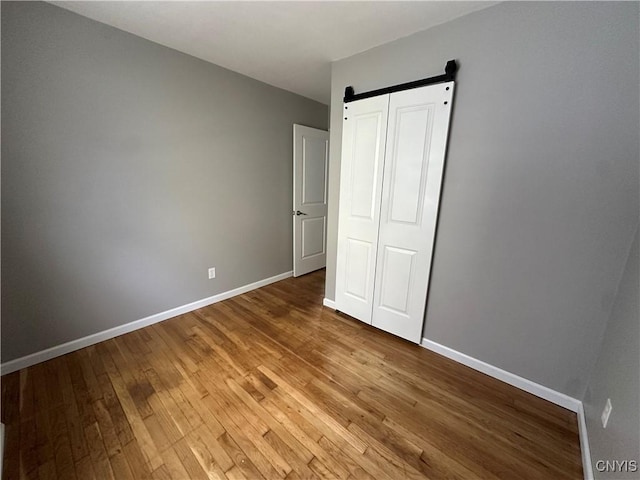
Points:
(606, 412)
(212, 273)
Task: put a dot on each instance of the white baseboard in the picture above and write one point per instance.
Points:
(536, 389)
(584, 445)
(49, 353)
(329, 303)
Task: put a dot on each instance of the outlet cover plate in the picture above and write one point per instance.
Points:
(212, 273)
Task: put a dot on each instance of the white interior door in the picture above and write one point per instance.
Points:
(363, 132)
(310, 169)
(413, 166)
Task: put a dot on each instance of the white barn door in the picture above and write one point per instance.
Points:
(310, 169)
(393, 152)
(414, 162)
(363, 140)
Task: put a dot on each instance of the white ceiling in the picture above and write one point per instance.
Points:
(286, 44)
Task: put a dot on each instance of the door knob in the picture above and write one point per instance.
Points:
(298, 213)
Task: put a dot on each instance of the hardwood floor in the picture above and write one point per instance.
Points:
(271, 384)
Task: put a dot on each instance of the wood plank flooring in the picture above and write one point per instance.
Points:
(272, 385)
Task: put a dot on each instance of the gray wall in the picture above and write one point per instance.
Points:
(615, 376)
(540, 197)
(128, 169)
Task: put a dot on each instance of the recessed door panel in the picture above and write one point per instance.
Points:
(409, 164)
(358, 271)
(396, 279)
(364, 164)
(314, 170)
(313, 237)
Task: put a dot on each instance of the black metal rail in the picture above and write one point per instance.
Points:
(450, 71)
